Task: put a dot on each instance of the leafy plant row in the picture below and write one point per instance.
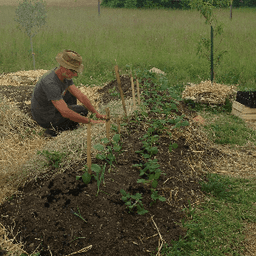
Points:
(149, 171)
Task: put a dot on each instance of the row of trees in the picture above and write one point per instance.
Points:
(174, 4)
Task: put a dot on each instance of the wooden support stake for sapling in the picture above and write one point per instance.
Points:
(108, 122)
(133, 93)
(138, 90)
(89, 160)
(118, 123)
(120, 88)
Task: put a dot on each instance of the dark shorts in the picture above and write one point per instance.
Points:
(61, 123)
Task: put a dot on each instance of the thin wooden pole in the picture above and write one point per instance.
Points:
(99, 7)
(120, 88)
(138, 91)
(89, 160)
(118, 123)
(133, 93)
(108, 122)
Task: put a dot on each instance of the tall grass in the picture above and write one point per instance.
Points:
(142, 39)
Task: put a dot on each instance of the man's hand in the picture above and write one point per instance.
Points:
(98, 115)
(97, 122)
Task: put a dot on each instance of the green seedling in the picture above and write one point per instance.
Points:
(76, 239)
(151, 166)
(99, 175)
(173, 146)
(109, 157)
(113, 92)
(78, 214)
(129, 202)
(147, 145)
(53, 158)
(179, 122)
(156, 196)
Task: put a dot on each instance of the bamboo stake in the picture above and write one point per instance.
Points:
(138, 91)
(108, 122)
(120, 88)
(133, 93)
(118, 122)
(89, 160)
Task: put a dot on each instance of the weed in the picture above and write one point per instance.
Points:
(133, 201)
(78, 214)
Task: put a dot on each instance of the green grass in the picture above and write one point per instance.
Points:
(229, 129)
(216, 226)
(224, 128)
(166, 39)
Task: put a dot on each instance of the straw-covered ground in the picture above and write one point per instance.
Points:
(39, 193)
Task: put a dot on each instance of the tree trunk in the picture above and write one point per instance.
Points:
(33, 54)
(231, 11)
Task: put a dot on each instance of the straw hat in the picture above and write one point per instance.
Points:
(70, 60)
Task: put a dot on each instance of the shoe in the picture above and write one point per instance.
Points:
(50, 133)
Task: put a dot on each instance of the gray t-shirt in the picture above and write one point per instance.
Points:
(48, 88)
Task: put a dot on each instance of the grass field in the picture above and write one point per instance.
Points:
(166, 39)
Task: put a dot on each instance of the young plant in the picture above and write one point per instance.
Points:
(153, 175)
(133, 201)
(206, 10)
(113, 92)
(109, 157)
(156, 196)
(31, 15)
(78, 214)
(147, 145)
(173, 146)
(53, 158)
(99, 175)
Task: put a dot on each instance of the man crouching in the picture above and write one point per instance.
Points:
(54, 99)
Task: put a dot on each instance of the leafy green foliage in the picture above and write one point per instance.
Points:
(204, 45)
(99, 175)
(31, 15)
(133, 201)
(226, 108)
(54, 158)
(173, 146)
(108, 156)
(156, 196)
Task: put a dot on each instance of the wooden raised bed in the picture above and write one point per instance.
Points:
(246, 113)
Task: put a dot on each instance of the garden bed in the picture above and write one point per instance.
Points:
(41, 216)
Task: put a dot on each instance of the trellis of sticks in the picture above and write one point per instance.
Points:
(89, 161)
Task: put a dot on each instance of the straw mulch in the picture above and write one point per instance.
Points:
(209, 93)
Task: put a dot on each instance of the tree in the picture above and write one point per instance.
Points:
(231, 9)
(206, 10)
(31, 15)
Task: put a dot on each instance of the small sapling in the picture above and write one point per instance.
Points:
(31, 15)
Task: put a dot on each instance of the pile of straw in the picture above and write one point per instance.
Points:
(209, 93)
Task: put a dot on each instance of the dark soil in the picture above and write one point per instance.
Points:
(43, 211)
